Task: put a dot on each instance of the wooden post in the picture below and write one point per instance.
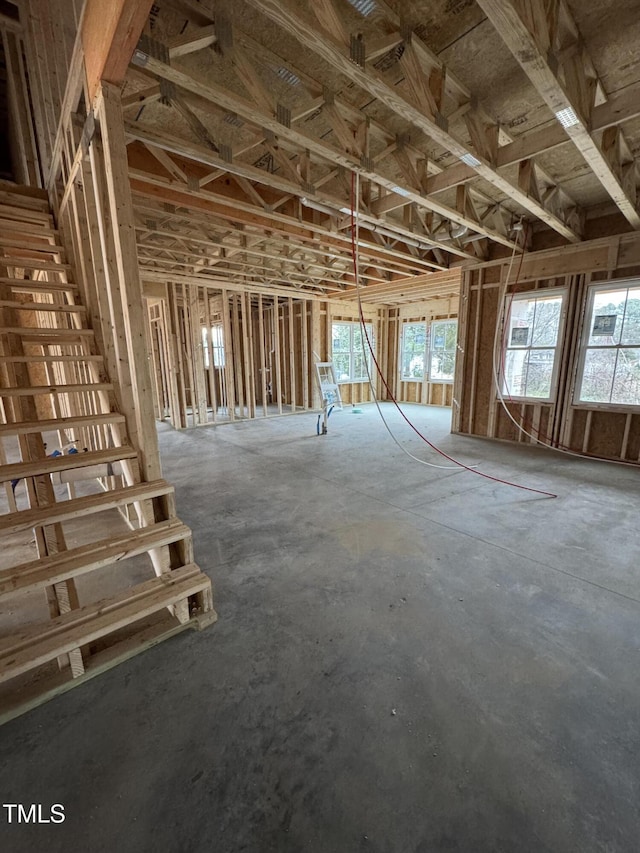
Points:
(228, 356)
(261, 346)
(122, 221)
(316, 353)
(292, 358)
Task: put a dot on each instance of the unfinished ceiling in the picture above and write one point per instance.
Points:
(246, 122)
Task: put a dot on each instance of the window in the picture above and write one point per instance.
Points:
(531, 345)
(442, 361)
(349, 351)
(413, 356)
(611, 346)
(217, 337)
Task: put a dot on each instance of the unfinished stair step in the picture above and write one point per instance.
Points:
(24, 519)
(30, 427)
(34, 390)
(26, 228)
(22, 200)
(40, 359)
(23, 214)
(40, 331)
(26, 285)
(33, 264)
(38, 644)
(33, 245)
(88, 558)
(53, 307)
(67, 462)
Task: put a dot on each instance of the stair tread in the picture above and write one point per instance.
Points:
(14, 226)
(55, 389)
(28, 286)
(24, 214)
(24, 519)
(24, 190)
(35, 359)
(33, 264)
(87, 558)
(32, 245)
(40, 643)
(26, 427)
(34, 331)
(23, 200)
(66, 462)
(43, 306)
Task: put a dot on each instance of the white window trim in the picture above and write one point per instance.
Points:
(431, 350)
(548, 292)
(592, 289)
(427, 351)
(369, 325)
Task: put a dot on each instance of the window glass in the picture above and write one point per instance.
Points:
(413, 356)
(444, 335)
(350, 351)
(530, 353)
(611, 357)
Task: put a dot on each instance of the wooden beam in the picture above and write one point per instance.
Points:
(571, 96)
(192, 41)
(110, 33)
(370, 81)
(251, 113)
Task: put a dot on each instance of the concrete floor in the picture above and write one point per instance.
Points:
(407, 660)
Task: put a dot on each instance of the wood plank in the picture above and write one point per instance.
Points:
(66, 462)
(22, 201)
(50, 359)
(26, 285)
(50, 424)
(12, 242)
(24, 519)
(147, 636)
(29, 648)
(26, 229)
(49, 307)
(43, 331)
(33, 264)
(23, 215)
(89, 558)
(110, 33)
(56, 389)
(142, 430)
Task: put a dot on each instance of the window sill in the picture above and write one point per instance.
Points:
(618, 408)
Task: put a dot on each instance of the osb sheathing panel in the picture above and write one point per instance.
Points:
(633, 445)
(606, 433)
(611, 33)
(484, 364)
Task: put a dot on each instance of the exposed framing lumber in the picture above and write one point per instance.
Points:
(432, 125)
(533, 43)
(254, 113)
(110, 33)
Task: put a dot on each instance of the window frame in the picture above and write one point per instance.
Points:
(427, 350)
(510, 298)
(217, 332)
(354, 324)
(430, 353)
(631, 283)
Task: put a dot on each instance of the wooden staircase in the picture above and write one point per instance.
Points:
(90, 513)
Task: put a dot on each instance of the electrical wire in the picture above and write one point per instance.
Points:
(355, 232)
(355, 198)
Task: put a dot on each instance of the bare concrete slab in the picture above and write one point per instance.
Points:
(408, 659)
